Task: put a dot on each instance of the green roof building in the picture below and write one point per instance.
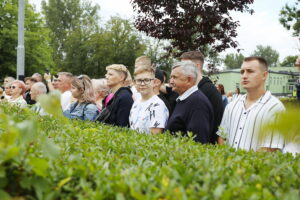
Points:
(281, 80)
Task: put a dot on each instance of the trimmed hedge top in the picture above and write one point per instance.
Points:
(54, 158)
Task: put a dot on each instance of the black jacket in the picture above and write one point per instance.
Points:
(28, 98)
(215, 98)
(120, 106)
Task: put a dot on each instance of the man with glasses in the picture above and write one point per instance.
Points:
(193, 111)
(148, 114)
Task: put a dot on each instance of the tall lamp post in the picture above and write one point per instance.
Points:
(21, 48)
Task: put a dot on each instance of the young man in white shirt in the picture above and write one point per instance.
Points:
(148, 114)
(244, 117)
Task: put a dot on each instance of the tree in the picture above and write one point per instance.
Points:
(271, 55)
(290, 17)
(233, 61)
(72, 24)
(190, 24)
(118, 42)
(156, 50)
(289, 61)
(37, 49)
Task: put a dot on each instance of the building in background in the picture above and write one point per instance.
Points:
(281, 80)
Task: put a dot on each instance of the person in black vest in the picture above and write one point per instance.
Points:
(159, 80)
(193, 111)
(29, 81)
(208, 89)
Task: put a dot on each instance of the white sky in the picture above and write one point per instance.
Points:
(261, 28)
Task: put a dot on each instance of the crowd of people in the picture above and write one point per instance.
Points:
(189, 102)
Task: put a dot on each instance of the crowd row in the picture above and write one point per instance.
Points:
(189, 103)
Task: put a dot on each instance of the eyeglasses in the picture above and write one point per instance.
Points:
(145, 81)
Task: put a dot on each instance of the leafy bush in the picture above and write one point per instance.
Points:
(54, 158)
(289, 102)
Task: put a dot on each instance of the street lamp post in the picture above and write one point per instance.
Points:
(21, 48)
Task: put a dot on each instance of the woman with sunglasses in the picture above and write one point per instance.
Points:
(118, 108)
(17, 90)
(84, 108)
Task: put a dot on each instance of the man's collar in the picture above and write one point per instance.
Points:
(262, 99)
(187, 93)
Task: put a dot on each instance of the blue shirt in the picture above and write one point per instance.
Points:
(83, 111)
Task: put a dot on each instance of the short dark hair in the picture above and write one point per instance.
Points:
(159, 75)
(165, 75)
(193, 55)
(260, 60)
(222, 89)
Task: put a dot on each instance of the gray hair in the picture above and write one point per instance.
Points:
(67, 74)
(40, 87)
(188, 68)
(100, 85)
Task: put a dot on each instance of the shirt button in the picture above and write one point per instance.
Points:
(235, 143)
(245, 113)
(240, 128)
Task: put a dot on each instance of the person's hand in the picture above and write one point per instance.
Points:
(47, 77)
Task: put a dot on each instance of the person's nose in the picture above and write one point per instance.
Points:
(244, 75)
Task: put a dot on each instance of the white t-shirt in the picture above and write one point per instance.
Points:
(20, 101)
(152, 113)
(65, 100)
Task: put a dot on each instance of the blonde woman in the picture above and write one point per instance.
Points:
(118, 108)
(84, 108)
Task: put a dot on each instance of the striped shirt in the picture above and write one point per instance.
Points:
(241, 126)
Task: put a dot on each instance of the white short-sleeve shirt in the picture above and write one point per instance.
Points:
(241, 126)
(152, 113)
(65, 100)
(20, 101)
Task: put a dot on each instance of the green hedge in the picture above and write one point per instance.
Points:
(289, 101)
(54, 158)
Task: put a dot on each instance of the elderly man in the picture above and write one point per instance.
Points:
(244, 117)
(38, 89)
(63, 84)
(208, 89)
(193, 111)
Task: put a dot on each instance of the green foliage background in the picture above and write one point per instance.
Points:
(37, 50)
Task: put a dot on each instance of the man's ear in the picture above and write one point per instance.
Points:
(189, 79)
(265, 75)
(199, 65)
